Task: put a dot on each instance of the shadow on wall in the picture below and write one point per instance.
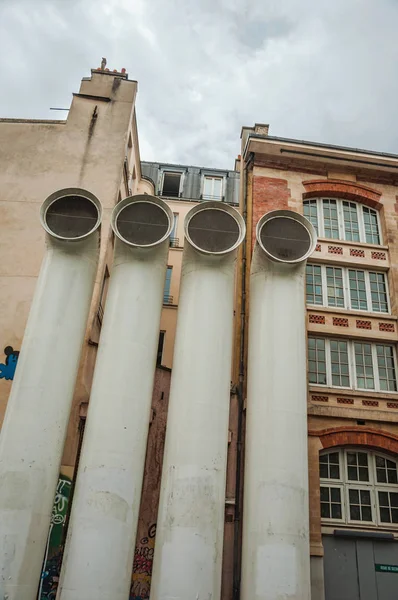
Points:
(7, 370)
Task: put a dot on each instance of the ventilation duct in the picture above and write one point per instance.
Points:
(103, 522)
(275, 548)
(190, 525)
(34, 428)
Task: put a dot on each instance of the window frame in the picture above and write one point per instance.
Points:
(165, 172)
(352, 367)
(372, 485)
(220, 178)
(340, 219)
(347, 301)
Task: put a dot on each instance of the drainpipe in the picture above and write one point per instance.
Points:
(34, 429)
(239, 436)
(102, 528)
(275, 546)
(190, 526)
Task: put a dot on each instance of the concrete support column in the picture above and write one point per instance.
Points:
(188, 549)
(33, 434)
(99, 550)
(275, 548)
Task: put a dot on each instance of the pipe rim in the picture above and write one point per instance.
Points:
(215, 205)
(63, 193)
(147, 199)
(294, 216)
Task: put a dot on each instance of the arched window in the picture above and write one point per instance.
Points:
(359, 487)
(343, 220)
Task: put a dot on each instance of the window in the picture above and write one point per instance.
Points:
(342, 287)
(349, 364)
(167, 299)
(343, 220)
(159, 356)
(358, 487)
(171, 184)
(212, 188)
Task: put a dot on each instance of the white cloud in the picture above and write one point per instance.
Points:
(313, 69)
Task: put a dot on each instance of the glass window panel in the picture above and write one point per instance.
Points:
(385, 515)
(317, 367)
(363, 357)
(381, 475)
(323, 471)
(387, 376)
(330, 218)
(311, 212)
(355, 513)
(335, 288)
(339, 363)
(394, 514)
(351, 224)
(357, 289)
(366, 513)
(337, 513)
(372, 235)
(314, 284)
(378, 288)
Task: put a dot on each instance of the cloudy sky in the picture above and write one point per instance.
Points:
(323, 70)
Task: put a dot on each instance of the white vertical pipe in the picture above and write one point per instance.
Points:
(275, 548)
(34, 429)
(190, 526)
(99, 550)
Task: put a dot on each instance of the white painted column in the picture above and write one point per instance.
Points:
(275, 549)
(33, 433)
(190, 526)
(99, 550)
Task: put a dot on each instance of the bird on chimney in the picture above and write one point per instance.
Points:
(103, 64)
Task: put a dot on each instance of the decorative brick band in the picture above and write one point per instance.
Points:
(357, 436)
(364, 324)
(379, 255)
(345, 400)
(392, 404)
(370, 403)
(340, 322)
(335, 249)
(320, 398)
(320, 319)
(387, 327)
(356, 252)
(318, 248)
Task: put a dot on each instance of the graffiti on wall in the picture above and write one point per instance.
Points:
(142, 567)
(54, 549)
(7, 370)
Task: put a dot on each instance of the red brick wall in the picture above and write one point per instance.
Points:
(358, 436)
(269, 193)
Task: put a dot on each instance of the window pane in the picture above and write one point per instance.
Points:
(357, 289)
(335, 289)
(317, 367)
(330, 219)
(378, 292)
(339, 363)
(331, 503)
(364, 366)
(351, 225)
(355, 513)
(386, 367)
(385, 515)
(311, 212)
(329, 466)
(372, 235)
(212, 188)
(314, 284)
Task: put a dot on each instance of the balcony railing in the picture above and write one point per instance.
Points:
(174, 242)
(167, 299)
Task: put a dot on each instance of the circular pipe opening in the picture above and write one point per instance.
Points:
(71, 214)
(212, 228)
(286, 236)
(142, 221)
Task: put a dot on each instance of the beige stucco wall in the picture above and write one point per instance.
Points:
(39, 157)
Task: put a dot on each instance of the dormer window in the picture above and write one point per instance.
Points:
(212, 188)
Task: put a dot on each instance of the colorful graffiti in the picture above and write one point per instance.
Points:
(55, 541)
(142, 567)
(7, 370)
